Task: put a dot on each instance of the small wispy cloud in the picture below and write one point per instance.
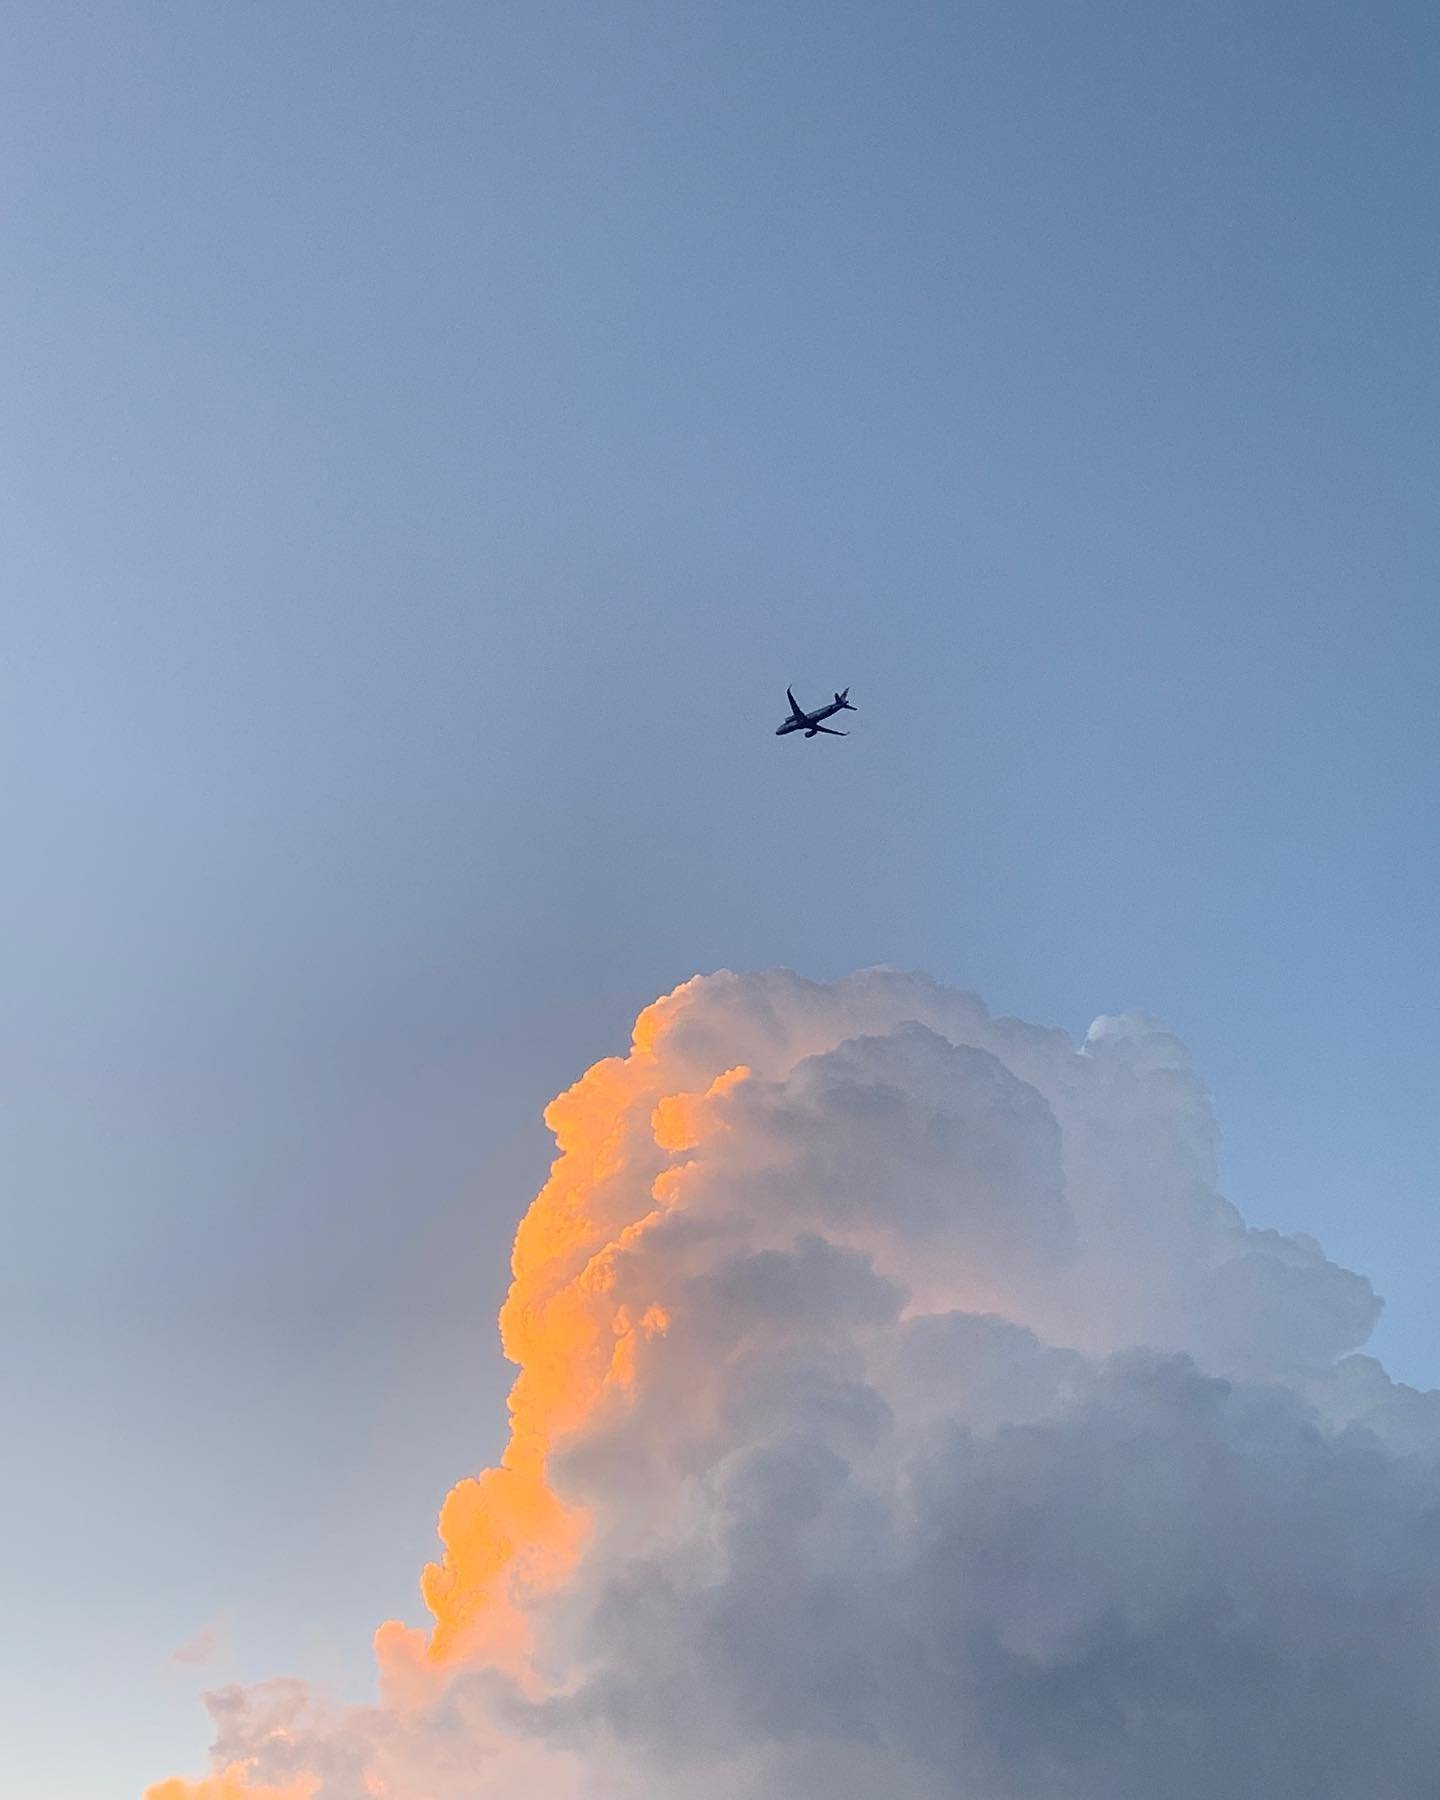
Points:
(197, 1651)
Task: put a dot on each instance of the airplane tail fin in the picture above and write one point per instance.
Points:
(843, 699)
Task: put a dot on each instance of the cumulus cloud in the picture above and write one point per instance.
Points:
(902, 1410)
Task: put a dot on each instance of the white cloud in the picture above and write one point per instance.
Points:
(940, 1432)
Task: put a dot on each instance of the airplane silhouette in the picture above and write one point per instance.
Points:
(809, 723)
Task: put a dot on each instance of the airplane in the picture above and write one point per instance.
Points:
(809, 723)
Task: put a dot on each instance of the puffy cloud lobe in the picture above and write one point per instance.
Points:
(1171, 1583)
(901, 1409)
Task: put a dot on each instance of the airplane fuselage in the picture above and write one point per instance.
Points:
(811, 718)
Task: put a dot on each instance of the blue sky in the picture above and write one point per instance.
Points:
(435, 436)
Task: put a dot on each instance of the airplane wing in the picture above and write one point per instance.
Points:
(829, 731)
(796, 710)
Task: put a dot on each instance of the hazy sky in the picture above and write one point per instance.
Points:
(435, 435)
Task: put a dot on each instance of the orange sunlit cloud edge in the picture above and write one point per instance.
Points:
(507, 1537)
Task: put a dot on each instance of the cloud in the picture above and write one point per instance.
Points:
(197, 1650)
(902, 1410)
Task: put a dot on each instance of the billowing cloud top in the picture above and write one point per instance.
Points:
(902, 1411)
